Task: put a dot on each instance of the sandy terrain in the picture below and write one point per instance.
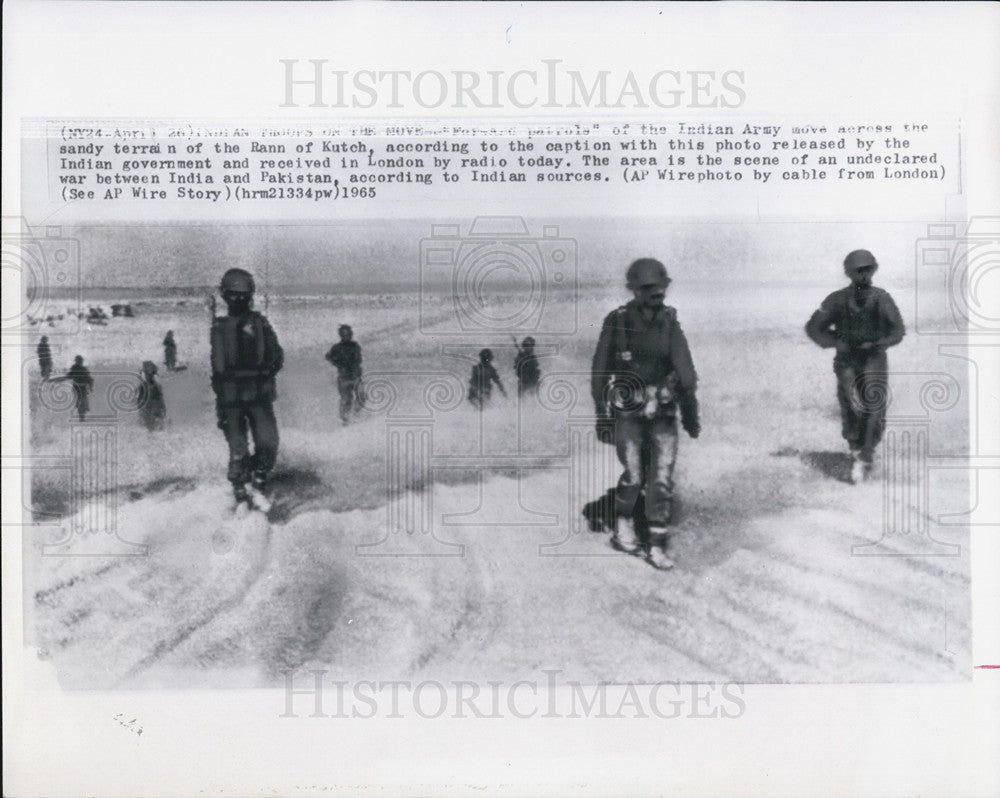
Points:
(510, 580)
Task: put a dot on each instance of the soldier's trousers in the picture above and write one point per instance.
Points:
(862, 392)
(648, 449)
(258, 419)
(348, 388)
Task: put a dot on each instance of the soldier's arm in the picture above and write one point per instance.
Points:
(217, 355)
(680, 356)
(601, 365)
(276, 355)
(819, 328)
(687, 380)
(495, 376)
(896, 327)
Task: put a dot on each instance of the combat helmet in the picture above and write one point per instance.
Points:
(646, 271)
(859, 259)
(237, 281)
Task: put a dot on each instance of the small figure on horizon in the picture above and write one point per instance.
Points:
(346, 357)
(526, 367)
(170, 351)
(482, 379)
(83, 384)
(152, 408)
(44, 357)
(245, 358)
(860, 322)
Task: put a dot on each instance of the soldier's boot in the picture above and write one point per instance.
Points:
(255, 490)
(241, 498)
(860, 470)
(624, 537)
(658, 542)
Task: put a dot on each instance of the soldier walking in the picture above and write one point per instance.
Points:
(346, 356)
(860, 322)
(83, 385)
(170, 351)
(642, 378)
(484, 376)
(246, 357)
(526, 367)
(152, 408)
(44, 357)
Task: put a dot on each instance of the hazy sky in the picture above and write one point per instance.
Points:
(384, 254)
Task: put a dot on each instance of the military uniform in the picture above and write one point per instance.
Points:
(152, 408)
(346, 356)
(861, 323)
(83, 384)
(642, 377)
(170, 351)
(482, 379)
(527, 370)
(246, 357)
(44, 358)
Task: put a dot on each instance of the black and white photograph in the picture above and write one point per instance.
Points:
(625, 417)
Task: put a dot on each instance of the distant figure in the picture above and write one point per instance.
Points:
(482, 379)
(127, 312)
(152, 409)
(346, 356)
(170, 351)
(526, 368)
(45, 357)
(245, 358)
(860, 322)
(83, 384)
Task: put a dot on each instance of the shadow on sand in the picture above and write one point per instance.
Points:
(833, 465)
(600, 514)
(291, 489)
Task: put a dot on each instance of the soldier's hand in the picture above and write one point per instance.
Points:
(692, 426)
(605, 428)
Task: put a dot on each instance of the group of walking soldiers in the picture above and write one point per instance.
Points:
(484, 374)
(643, 384)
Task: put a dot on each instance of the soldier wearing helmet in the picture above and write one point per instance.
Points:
(860, 322)
(642, 378)
(484, 375)
(246, 357)
(526, 367)
(346, 356)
